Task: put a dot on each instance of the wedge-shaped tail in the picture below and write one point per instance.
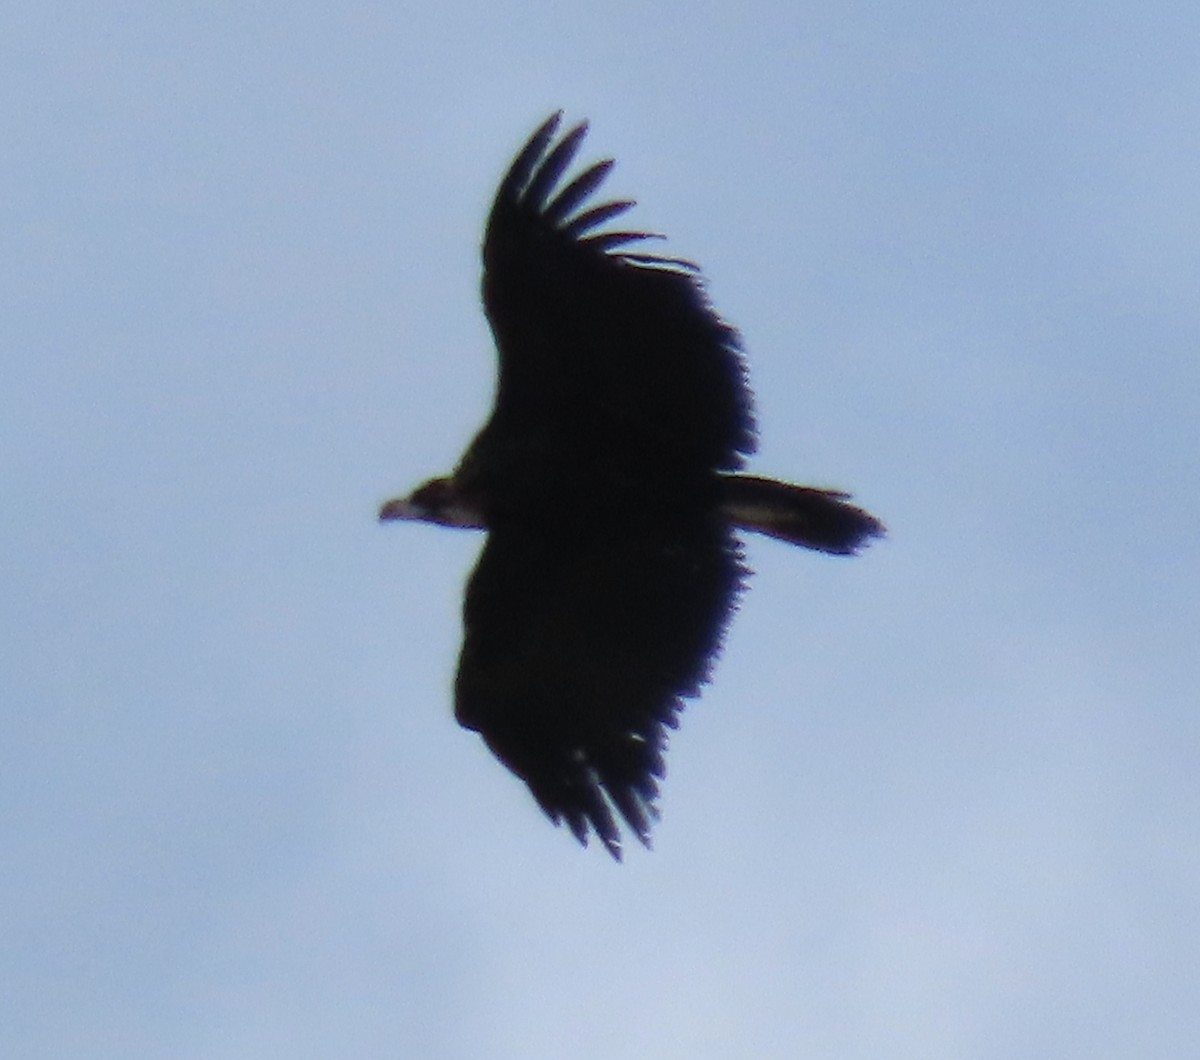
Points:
(819, 519)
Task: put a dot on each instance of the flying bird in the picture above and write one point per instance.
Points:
(607, 480)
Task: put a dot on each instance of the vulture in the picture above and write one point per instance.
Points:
(608, 482)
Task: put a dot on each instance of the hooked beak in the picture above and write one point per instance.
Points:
(402, 508)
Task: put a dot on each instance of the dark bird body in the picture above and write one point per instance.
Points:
(606, 481)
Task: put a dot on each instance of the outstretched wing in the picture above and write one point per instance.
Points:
(608, 575)
(611, 361)
(578, 654)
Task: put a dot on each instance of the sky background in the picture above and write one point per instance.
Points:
(942, 801)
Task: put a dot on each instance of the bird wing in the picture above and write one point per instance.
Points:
(609, 356)
(577, 656)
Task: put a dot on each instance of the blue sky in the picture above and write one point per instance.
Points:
(941, 801)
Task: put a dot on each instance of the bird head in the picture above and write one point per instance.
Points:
(436, 501)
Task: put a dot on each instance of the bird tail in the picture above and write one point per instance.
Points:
(800, 515)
